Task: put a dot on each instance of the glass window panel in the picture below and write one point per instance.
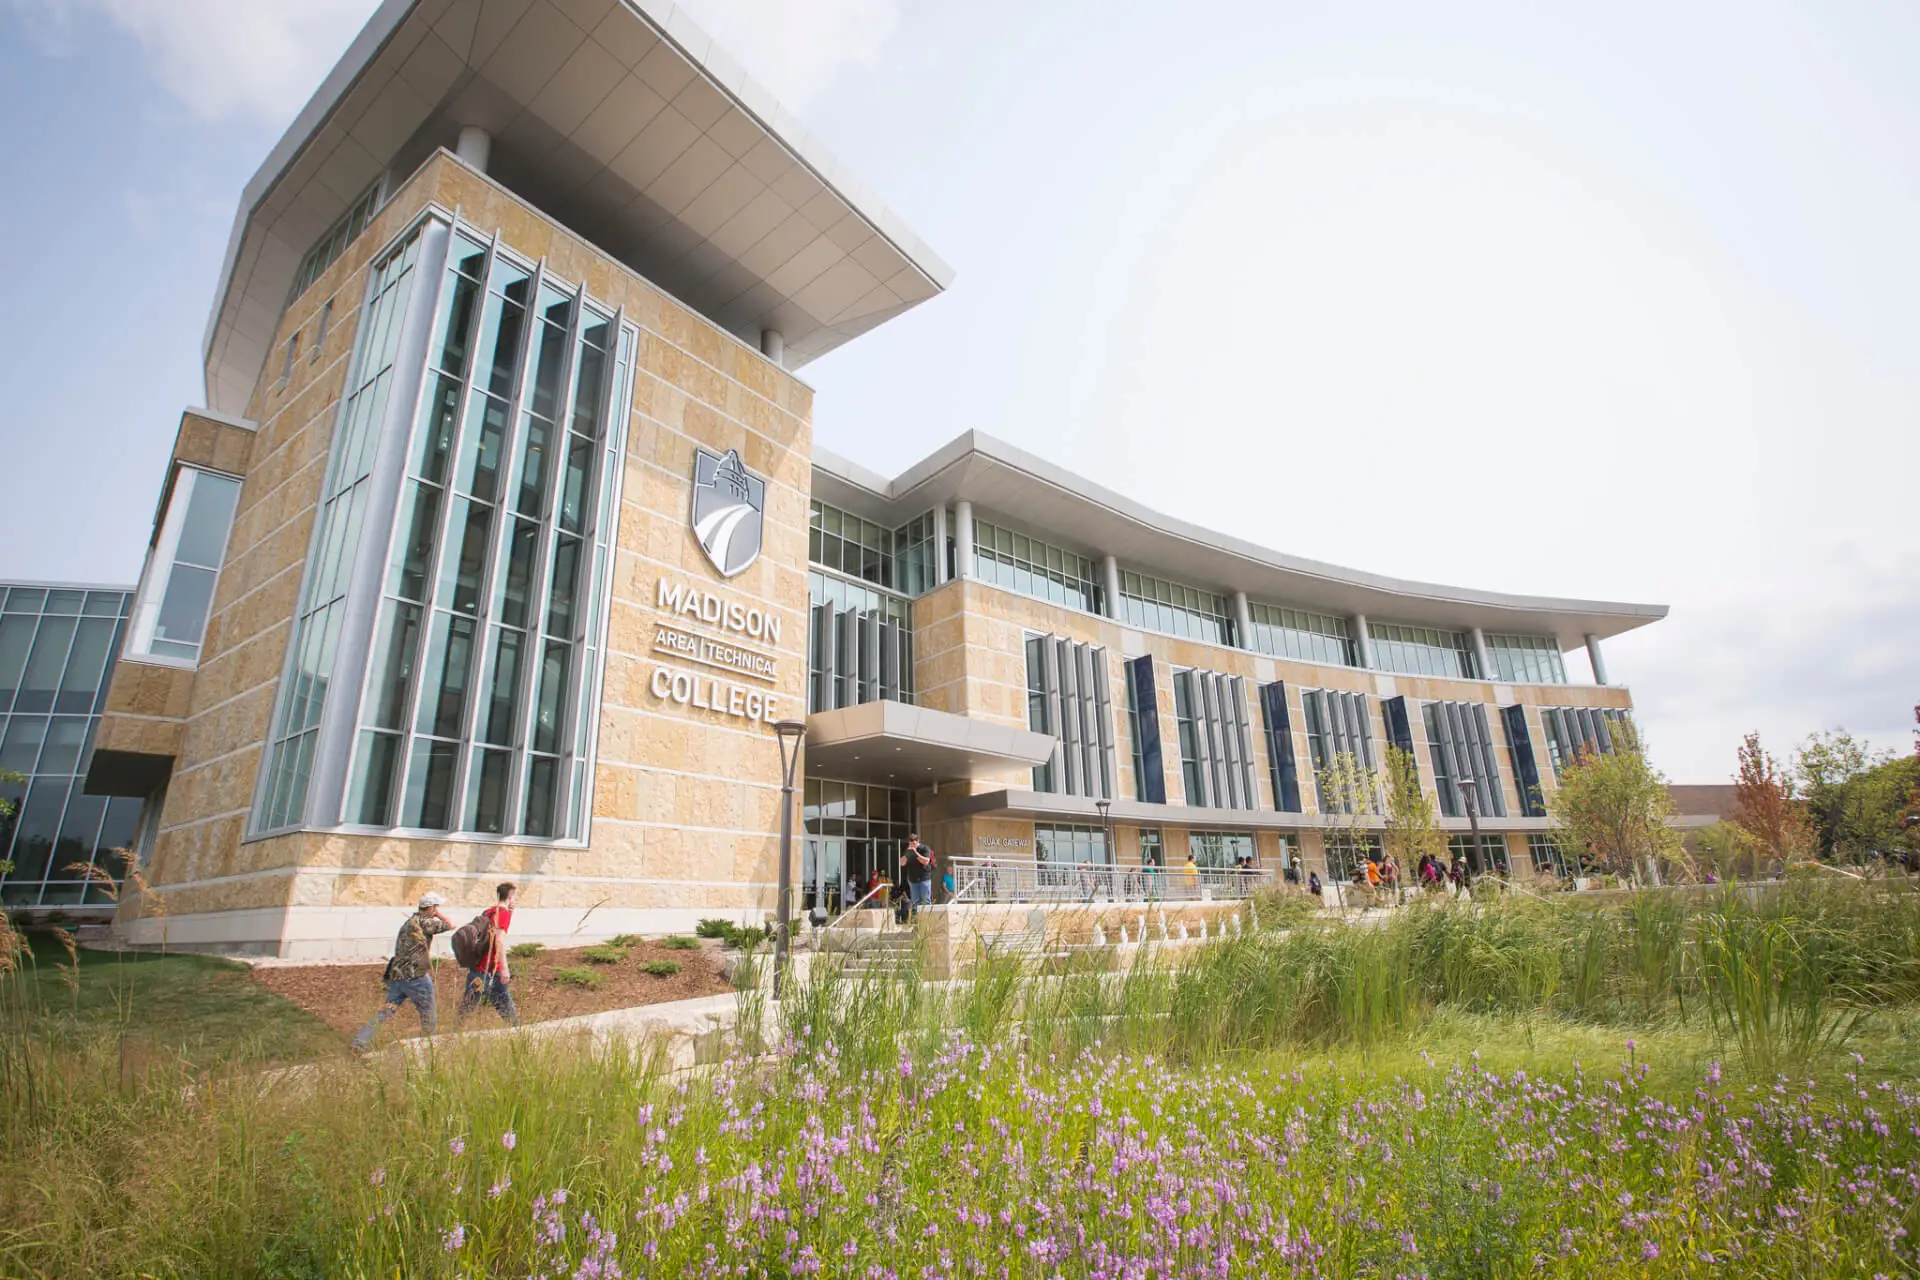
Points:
(483, 441)
(372, 799)
(439, 428)
(448, 671)
(542, 777)
(566, 564)
(549, 715)
(41, 679)
(119, 834)
(66, 735)
(589, 392)
(73, 851)
(457, 321)
(471, 527)
(533, 468)
(20, 748)
(183, 610)
(573, 485)
(36, 828)
(26, 599)
(429, 801)
(203, 533)
(487, 791)
(549, 365)
(420, 523)
(86, 664)
(61, 601)
(392, 667)
(16, 639)
(516, 587)
(504, 696)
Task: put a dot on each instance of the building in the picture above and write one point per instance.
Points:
(502, 542)
(57, 645)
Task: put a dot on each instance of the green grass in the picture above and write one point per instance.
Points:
(578, 977)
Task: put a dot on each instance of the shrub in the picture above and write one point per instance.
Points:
(624, 940)
(578, 977)
(606, 953)
(713, 928)
(523, 950)
(748, 938)
(676, 942)
(661, 968)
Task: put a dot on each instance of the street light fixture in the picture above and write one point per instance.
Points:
(790, 732)
(1468, 796)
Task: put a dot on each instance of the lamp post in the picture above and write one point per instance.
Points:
(790, 732)
(1106, 827)
(1468, 788)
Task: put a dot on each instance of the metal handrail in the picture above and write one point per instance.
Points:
(864, 899)
(980, 880)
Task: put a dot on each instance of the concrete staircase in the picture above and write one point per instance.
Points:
(877, 954)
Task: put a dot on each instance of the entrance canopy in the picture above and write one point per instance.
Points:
(899, 745)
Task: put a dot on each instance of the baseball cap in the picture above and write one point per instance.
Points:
(430, 900)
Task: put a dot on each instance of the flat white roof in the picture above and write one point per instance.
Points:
(620, 119)
(1053, 503)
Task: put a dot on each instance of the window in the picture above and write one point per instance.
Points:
(1421, 651)
(1337, 726)
(1220, 849)
(854, 830)
(1143, 728)
(1280, 758)
(334, 241)
(1526, 659)
(843, 542)
(1493, 854)
(177, 596)
(1574, 731)
(1216, 746)
(859, 645)
(913, 556)
(1068, 698)
(1347, 852)
(1294, 633)
(1526, 767)
(1176, 609)
(1034, 568)
(1545, 852)
(1461, 747)
(1152, 853)
(343, 499)
(56, 656)
(293, 353)
(320, 329)
(1063, 846)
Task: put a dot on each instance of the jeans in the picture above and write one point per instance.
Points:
(920, 893)
(492, 988)
(418, 990)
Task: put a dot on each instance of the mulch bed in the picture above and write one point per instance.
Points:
(345, 996)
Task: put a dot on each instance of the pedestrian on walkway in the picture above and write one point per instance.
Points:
(488, 979)
(409, 974)
(917, 862)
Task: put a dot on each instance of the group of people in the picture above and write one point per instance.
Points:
(409, 974)
(914, 889)
(1380, 874)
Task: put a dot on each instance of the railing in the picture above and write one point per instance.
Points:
(978, 880)
(872, 900)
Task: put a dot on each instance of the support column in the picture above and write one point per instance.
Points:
(963, 540)
(940, 544)
(1362, 642)
(474, 148)
(774, 346)
(1110, 579)
(1242, 621)
(1481, 658)
(1599, 663)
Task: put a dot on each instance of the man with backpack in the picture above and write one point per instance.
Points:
(409, 974)
(480, 946)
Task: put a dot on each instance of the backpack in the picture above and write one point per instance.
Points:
(473, 941)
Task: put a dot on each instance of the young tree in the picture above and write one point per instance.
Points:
(1765, 808)
(1612, 808)
(1727, 849)
(1412, 826)
(1350, 798)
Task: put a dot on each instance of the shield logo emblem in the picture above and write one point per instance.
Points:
(728, 501)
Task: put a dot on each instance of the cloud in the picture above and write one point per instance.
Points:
(222, 58)
(797, 48)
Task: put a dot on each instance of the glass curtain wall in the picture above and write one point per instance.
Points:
(1222, 850)
(853, 833)
(1296, 633)
(1337, 725)
(859, 644)
(57, 646)
(478, 709)
(1526, 659)
(1460, 743)
(1576, 731)
(1175, 608)
(1034, 568)
(845, 543)
(1421, 651)
(913, 552)
(1068, 699)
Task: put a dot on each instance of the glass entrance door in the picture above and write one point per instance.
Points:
(822, 870)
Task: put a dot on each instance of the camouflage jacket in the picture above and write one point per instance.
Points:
(410, 947)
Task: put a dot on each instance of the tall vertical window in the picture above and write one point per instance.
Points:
(478, 708)
(170, 620)
(1576, 731)
(913, 555)
(1337, 726)
(1220, 849)
(1175, 608)
(1280, 758)
(56, 657)
(1152, 853)
(1295, 633)
(1143, 727)
(859, 645)
(1068, 699)
(1216, 747)
(343, 502)
(1546, 854)
(1422, 651)
(1526, 659)
(1461, 745)
(1034, 568)
(1063, 846)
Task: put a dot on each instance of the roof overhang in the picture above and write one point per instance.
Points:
(620, 119)
(901, 745)
(997, 477)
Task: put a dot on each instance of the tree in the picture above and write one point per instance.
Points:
(1825, 767)
(1611, 807)
(1412, 827)
(1727, 849)
(1765, 809)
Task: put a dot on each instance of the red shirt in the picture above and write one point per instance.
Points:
(502, 917)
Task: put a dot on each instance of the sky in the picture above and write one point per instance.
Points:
(1618, 302)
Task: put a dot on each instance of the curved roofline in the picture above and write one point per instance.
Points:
(995, 475)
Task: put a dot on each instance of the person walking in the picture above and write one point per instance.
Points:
(1191, 874)
(917, 862)
(488, 980)
(409, 974)
(1313, 883)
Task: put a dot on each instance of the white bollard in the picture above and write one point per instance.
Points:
(1183, 930)
(1099, 936)
(1123, 935)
